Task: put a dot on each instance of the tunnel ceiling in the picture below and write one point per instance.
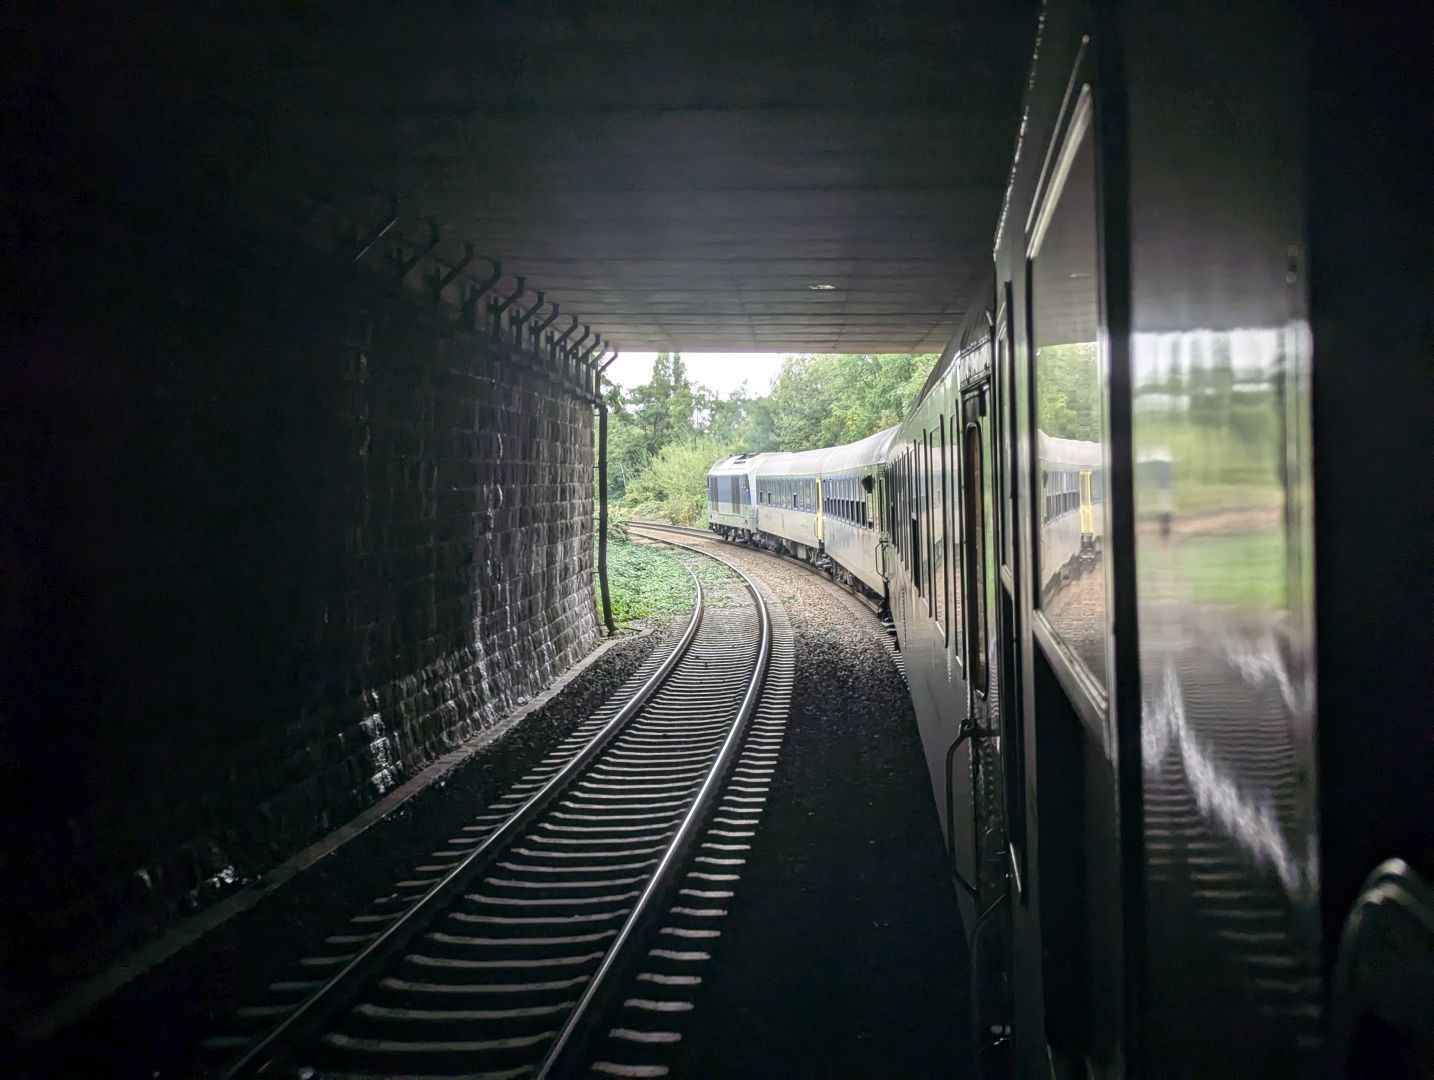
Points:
(678, 175)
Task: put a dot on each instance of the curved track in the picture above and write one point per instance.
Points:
(498, 962)
(705, 534)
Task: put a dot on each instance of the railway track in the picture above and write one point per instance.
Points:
(856, 594)
(499, 956)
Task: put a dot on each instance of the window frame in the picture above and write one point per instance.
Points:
(1088, 696)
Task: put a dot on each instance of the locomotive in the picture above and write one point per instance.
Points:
(1148, 642)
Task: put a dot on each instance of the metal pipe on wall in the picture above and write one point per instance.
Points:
(602, 519)
(602, 501)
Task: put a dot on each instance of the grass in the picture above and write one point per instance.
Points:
(645, 580)
(1244, 569)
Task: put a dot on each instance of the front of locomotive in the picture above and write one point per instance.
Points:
(730, 513)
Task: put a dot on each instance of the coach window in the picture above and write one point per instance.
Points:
(918, 520)
(923, 496)
(894, 522)
(1069, 389)
(908, 520)
(902, 524)
(953, 524)
(928, 518)
(898, 522)
(973, 514)
(937, 442)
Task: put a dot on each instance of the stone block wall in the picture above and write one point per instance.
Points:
(273, 535)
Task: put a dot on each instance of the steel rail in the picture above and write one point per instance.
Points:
(572, 1038)
(310, 1016)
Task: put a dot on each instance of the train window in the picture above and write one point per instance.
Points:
(973, 507)
(908, 519)
(889, 504)
(897, 535)
(1005, 403)
(936, 442)
(924, 494)
(958, 628)
(935, 556)
(893, 506)
(907, 523)
(1069, 389)
(918, 515)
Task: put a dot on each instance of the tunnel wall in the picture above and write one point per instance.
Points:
(274, 534)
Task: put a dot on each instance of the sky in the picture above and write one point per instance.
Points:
(719, 372)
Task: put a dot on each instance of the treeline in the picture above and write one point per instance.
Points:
(664, 435)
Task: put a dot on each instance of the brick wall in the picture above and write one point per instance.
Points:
(272, 536)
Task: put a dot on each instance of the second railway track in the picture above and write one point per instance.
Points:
(500, 955)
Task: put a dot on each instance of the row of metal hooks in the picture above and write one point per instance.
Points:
(484, 308)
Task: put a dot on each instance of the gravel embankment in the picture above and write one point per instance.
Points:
(843, 954)
(151, 1027)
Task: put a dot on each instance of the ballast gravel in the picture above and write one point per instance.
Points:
(842, 954)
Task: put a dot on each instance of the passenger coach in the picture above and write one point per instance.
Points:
(1161, 664)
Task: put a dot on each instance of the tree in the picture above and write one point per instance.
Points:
(674, 483)
(664, 435)
(1068, 391)
(740, 421)
(826, 400)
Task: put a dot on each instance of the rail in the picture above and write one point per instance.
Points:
(317, 1014)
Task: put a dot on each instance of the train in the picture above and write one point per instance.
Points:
(1148, 642)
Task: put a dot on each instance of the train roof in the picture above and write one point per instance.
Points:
(736, 463)
(832, 459)
(1068, 451)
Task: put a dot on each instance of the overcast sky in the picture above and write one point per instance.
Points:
(720, 372)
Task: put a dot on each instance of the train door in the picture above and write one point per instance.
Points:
(1075, 867)
(1003, 834)
(989, 931)
(1009, 706)
(883, 514)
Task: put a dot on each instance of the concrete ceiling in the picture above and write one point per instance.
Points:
(679, 175)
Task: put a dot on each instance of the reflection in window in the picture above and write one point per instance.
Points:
(1069, 388)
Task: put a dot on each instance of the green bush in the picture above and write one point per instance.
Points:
(673, 485)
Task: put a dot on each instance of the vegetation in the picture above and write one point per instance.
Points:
(1068, 391)
(1239, 569)
(828, 400)
(644, 580)
(664, 435)
(673, 485)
